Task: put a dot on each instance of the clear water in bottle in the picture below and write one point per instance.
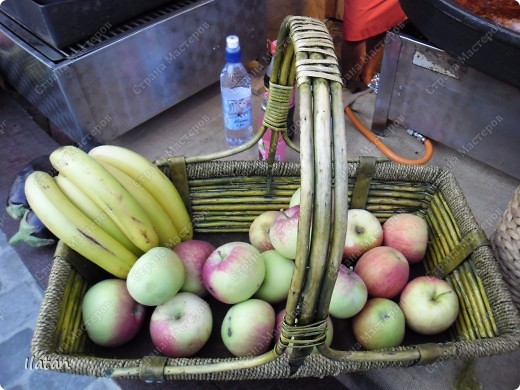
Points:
(237, 115)
(235, 86)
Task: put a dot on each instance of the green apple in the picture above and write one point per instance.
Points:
(278, 276)
(364, 232)
(380, 324)
(248, 328)
(233, 272)
(430, 305)
(156, 276)
(181, 326)
(284, 232)
(349, 294)
(110, 315)
(259, 230)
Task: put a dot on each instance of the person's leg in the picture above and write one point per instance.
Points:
(374, 55)
(352, 61)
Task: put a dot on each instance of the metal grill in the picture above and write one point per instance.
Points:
(124, 29)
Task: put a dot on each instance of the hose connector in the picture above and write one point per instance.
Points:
(417, 135)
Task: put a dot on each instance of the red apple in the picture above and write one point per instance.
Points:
(384, 270)
(247, 329)
(284, 232)
(408, 233)
(111, 316)
(156, 276)
(364, 232)
(430, 305)
(181, 326)
(193, 254)
(233, 272)
(380, 324)
(349, 294)
(259, 230)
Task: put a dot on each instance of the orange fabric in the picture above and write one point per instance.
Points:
(363, 19)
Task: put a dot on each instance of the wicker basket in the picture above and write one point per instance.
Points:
(506, 243)
(224, 197)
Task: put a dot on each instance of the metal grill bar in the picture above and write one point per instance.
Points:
(124, 28)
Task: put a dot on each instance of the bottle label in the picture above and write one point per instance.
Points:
(237, 113)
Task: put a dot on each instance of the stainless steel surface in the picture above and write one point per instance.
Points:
(61, 23)
(450, 102)
(113, 83)
(479, 42)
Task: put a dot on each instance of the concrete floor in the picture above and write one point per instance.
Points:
(20, 299)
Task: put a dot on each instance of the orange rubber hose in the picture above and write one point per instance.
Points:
(385, 149)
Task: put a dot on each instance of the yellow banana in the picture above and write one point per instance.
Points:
(147, 174)
(163, 225)
(94, 212)
(74, 228)
(100, 186)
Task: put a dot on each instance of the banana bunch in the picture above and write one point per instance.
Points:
(110, 205)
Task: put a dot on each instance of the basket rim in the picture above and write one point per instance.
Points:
(509, 321)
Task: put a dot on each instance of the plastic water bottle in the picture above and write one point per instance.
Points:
(235, 87)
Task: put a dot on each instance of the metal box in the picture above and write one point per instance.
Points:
(427, 90)
(102, 88)
(63, 23)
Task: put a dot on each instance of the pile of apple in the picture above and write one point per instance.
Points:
(175, 282)
(382, 256)
(251, 278)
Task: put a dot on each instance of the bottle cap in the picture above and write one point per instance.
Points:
(232, 42)
(233, 53)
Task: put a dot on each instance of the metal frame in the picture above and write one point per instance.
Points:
(425, 89)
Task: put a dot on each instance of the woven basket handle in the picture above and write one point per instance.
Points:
(323, 159)
(305, 55)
